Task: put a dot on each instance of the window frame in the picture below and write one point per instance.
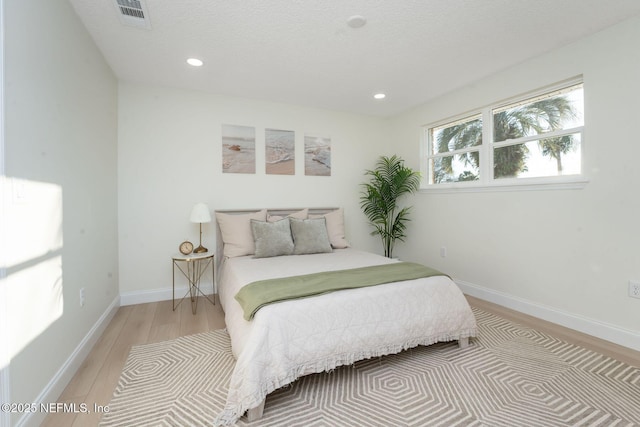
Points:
(462, 119)
(487, 181)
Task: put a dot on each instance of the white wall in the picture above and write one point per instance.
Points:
(60, 194)
(170, 157)
(569, 253)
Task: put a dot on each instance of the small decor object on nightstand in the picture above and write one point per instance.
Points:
(200, 213)
(186, 247)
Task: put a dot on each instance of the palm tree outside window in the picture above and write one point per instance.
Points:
(537, 137)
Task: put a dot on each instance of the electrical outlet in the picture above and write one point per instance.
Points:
(81, 297)
(634, 289)
(443, 251)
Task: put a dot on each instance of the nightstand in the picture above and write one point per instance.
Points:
(193, 266)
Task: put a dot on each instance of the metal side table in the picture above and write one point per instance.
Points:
(193, 267)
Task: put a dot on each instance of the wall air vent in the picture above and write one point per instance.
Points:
(134, 13)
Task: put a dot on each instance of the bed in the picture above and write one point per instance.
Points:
(280, 342)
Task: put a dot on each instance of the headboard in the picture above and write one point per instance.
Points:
(275, 212)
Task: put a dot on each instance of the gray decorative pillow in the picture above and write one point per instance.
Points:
(310, 236)
(272, 238)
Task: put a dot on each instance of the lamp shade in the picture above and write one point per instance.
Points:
(200, 213)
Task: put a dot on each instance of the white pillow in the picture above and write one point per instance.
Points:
(237, 235)
(335, 228)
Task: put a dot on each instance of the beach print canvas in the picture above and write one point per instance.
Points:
(280, 152)
(238, 149)
(317, 155)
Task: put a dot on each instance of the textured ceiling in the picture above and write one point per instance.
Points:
(303, 52)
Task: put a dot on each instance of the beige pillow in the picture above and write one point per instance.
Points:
(303, 214)
(236, 232)
(335, 228)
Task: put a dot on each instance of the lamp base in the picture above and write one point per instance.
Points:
(200, 250)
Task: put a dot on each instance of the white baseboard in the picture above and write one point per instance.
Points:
(66, 372)
(596, 328)
(155, 295)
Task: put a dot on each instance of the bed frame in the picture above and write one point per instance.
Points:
(256, 413)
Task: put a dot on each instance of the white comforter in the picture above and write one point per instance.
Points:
(290, 339)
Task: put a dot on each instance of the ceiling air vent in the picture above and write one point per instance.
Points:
(133, 12)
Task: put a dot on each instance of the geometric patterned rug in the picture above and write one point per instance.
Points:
(510, 375)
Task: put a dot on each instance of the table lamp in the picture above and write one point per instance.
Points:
(200, 213)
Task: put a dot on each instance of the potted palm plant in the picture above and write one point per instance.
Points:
(389, 181)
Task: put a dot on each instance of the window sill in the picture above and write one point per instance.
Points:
(526, 184)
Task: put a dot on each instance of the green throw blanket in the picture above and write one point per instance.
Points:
(256, 295)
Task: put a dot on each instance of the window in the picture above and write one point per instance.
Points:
(456, 150)
(532, 140)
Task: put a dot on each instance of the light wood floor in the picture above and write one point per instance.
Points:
(98, 376)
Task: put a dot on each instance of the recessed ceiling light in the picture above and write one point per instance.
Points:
(356, 21)
(379, 96)
(195, 62)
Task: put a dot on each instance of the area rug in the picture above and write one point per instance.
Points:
(509, 376)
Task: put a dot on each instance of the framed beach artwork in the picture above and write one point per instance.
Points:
(280, 154)
(317, 155)
(238, 149)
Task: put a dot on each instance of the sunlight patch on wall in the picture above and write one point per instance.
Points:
(35, 214)
(32, 258)
(35, 301)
